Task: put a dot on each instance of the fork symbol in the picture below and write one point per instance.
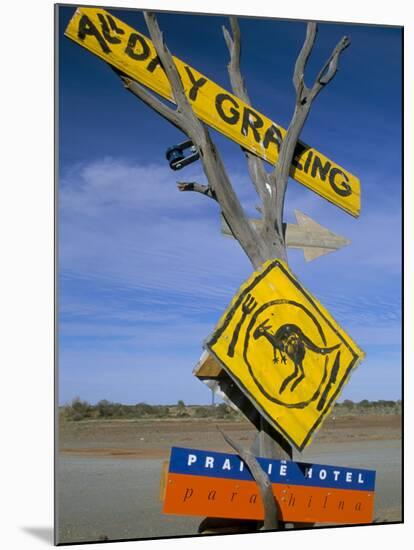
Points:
(248, 306)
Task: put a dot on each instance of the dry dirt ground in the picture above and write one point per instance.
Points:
(154, 438)
(108, 472)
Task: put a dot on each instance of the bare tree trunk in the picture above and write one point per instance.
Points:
(268, 242)
(270, 506)
(271, 187)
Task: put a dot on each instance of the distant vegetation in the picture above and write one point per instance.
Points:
(381, 406)
(82, 410)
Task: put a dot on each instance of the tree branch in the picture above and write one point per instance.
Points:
(213, 165)
(304, 100)
(197, 187)
(256, 167)
(299, 71)
(330, 68)
(169, 67)
(234, 46)
(270, 506)
(172, 115)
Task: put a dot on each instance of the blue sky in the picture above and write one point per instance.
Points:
(144, 273)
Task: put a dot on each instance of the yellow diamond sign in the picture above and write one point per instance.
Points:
(285, 351)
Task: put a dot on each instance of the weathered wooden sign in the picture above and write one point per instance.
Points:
(134, 54)
(207, 483)
(212, 374)
(284, 350)
(314, 239)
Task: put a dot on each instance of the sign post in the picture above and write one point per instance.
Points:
(134, 54)
(276, 343)
(314, 239)
(209, 483)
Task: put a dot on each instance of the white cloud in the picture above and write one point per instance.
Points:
(127, 225)
(161, 273)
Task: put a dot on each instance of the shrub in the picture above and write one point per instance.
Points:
(78, 410)
(142, 409)
(104, 408)
(202, 412)
(160, 411)
(222, 410)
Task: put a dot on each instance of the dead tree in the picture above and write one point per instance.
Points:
(267, 242)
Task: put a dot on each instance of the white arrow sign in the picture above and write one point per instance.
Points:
(307, 234)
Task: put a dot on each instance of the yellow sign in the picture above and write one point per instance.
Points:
(285, 351)
(134, 54)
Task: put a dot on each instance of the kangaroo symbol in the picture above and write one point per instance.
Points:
(290, 339)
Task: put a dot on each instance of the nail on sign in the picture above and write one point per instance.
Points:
(284, 351)
(206, 483)
(134, 54)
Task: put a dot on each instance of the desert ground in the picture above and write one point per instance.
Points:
(108, 471)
